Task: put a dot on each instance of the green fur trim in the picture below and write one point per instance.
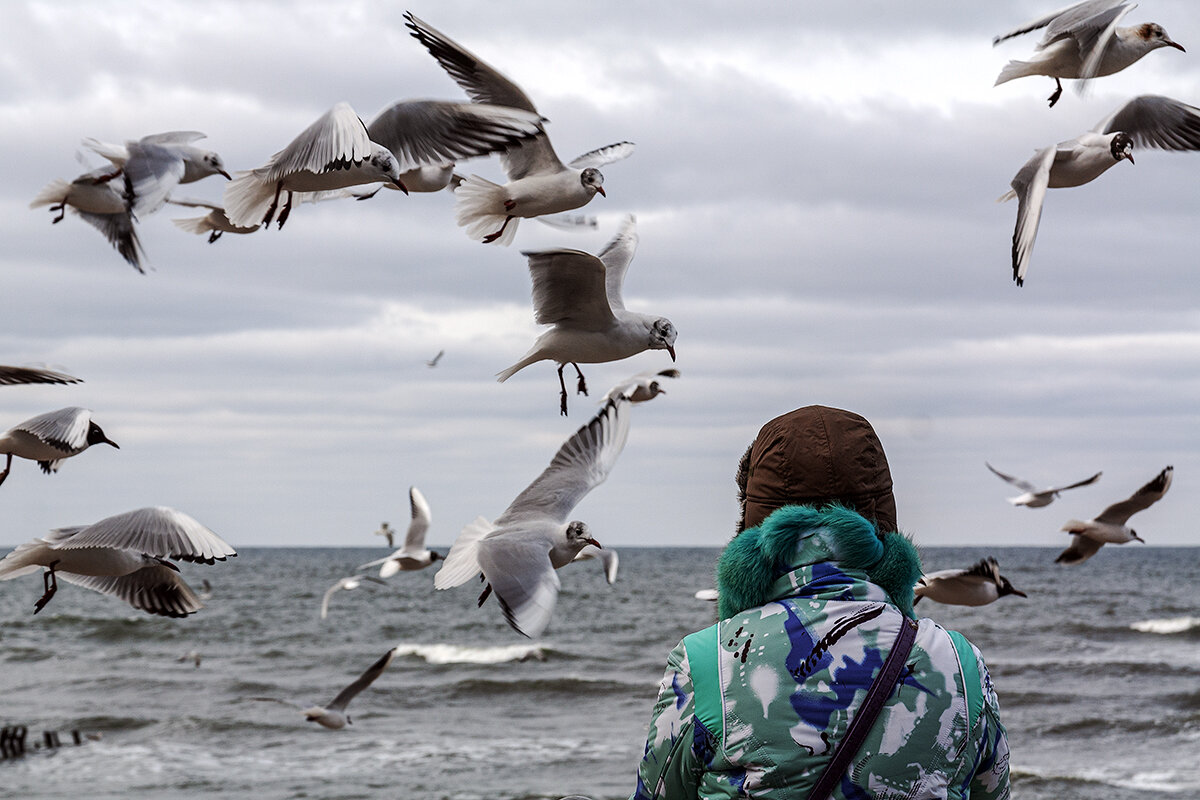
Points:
(754, 560)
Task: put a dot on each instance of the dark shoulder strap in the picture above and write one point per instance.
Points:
(868, 712)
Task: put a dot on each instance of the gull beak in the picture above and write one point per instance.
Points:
(1129, 155)
(671, 350)
(114, 444)
(400, 185)
(592, 541)
(1177, 46)
(228, 177)
(601, 192)
(1019, 593)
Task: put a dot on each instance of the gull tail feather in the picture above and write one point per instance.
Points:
(193, 224)
(1074, 526)
(479, 207)
(55, 192)
(247, 200)
(531, 357)
(1016, 69)
(462, 562)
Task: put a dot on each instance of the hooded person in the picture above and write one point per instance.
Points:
(815, 595)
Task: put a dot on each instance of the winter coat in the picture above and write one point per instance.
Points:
(752, 706)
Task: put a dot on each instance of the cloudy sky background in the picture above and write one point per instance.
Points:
(815, 191)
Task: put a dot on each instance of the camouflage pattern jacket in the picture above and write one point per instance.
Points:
(752, 706)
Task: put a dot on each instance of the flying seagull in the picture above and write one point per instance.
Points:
(99, 204)
(1034, 497)
(413, 555)
(538, 182)
(642, 387)
(154, 165)
(1083, 41)
(580, 296)
(976, 586)
(349, 582)
(1147, 121)
(52, 437)
(11, 376)
(519, 552)
(433, 362)
(388, 531)
(1110, 526)
(333, 715)
(608, 558)
(214, 223)
(125, 555)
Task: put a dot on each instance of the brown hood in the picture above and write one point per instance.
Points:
(816, 455)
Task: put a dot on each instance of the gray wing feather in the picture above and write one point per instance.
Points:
(421, 518)
(569, 286)
(1156, 121)
(155, 590)
(151, 174)
(1030, 186)
(1081, 549)
(1015, 481)
(421, 132)
(337, 139)
(11, 376)
(119, 231)
(1143, 498)
(603, 155)
(156, 531)
(616, 257)
(65, 429)
(344, 697)
(1077, 484)
(523, 580)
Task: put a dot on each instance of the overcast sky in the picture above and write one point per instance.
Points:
(815, 191)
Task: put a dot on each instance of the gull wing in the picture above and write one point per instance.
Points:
(1143, 498)
(344, 697)
(341, 584)
(1156, 121)
(603, 155)
(1081, 549)
(421, 517)
(1094, 35)
(11, 376)
(119, 231)
(616, 257)
(421, 132)
(517, 565)
(462, 562)
(1060, 22)
(338, 139)
(987, 569)
(1084, 482)
(155, 590)
(483, 83)
(151, 174)
(581, 464)
(608, 558)
(569, 287)
(172, 137)
(191, 202)
(1030, 186)
(1015, 481)
(640, 388)
(157, 531)
(65, 429)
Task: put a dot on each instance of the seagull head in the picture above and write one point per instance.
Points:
(1007, 588)
(1154, 37)
(1122, 147)
(214, 165)
(1134, 535)
(95, 436)
(662, 336)
(384, 162)
(578, 534)
(593, 180)
(435, 556)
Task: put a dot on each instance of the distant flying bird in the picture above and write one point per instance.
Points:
(98, 203)
(1147, 121)
(977, 586)
(642, 387)
(333, 715)
(192, 655)
(124, 555)
(414, 555)
(51, 437)
(332, 153)
(388, 531)
(538, 182)
(214, 223)
(1110, 526)
(154, 165)
(12, 376)
(580, 295)
(347, 583)
(1083, 41)
(608, 558)
(1034, 497)
(519, 552)
(433, 362)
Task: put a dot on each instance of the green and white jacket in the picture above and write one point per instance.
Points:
(752, 706)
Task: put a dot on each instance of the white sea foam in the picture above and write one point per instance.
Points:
(1166, 626)
(456, 654)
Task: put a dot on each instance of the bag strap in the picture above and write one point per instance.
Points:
(868, 712)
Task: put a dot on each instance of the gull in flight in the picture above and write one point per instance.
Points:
(11, 376)
(1083, 41)
(154, 165)
(214, 223)
(1034, 497)
(413, 555)
(333, 714)
(389, 532)
(1110, 526)
(608, 558)
(1147, 121)
(580, 296)
(538, 182)
(350, 582)
(642, 387)
(975, 586)
(97, 203)
(51, 437)
(519, 552)
(124, 555)
(433, 362)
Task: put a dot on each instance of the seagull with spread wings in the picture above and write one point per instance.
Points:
(93, 197)
(1087, 537)
(1034, 497)
(414, 554)
(52, 437)
(154, 165)
(333, 714)
(975, 586)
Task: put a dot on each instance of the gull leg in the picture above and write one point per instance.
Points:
(287, 209)
(50, 584)
(212, 237)
(562, 407)
(108, 177)
(274, 205)
(1057, 92)
(61, 208)
(509, 205)
(581, 384)
(491, 237)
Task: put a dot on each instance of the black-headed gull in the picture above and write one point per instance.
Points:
(1083, 41)
(538, 182)
(214, 223)
(124, 555)
(975, 586)
(154, 165)
(1147, 121)
(12, 376)
(51, 437)
(332, 153)
(413, 555)
(98, 203)
(1087, 537)
(608, 558)
(333, 714)
(387, 531)
(642, 387)
(347, 583)
(1034, 497)
(579, 294)
(519, 552)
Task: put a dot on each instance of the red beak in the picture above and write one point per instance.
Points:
(671, 350)
(600, 190)
(594, 542)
